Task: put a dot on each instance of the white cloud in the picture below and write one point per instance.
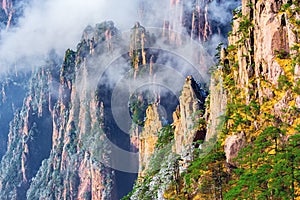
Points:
(58, 25)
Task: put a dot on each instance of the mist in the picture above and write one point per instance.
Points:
(55, 25)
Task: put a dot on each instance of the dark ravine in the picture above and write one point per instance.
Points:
(10, 102)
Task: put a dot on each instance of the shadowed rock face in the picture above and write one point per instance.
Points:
(6, 13)
(10, 11)
(13, 84)
(11, 99)
(29, 139)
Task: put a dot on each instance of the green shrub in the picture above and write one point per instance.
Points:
(283, 82)
(165, 136)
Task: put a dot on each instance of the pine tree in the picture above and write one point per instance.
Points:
(268, 168)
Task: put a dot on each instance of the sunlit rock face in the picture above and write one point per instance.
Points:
(262, 44)
(148, 137)
(187, 128)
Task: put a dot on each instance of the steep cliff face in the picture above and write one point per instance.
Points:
(78, 164)
(140, 41)
(189, 124)
(29, 140)
(216, 106)
(161, 148)
(194, 17)
(148, 137)
(262, 63)
(9, 104)
(264, 55)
